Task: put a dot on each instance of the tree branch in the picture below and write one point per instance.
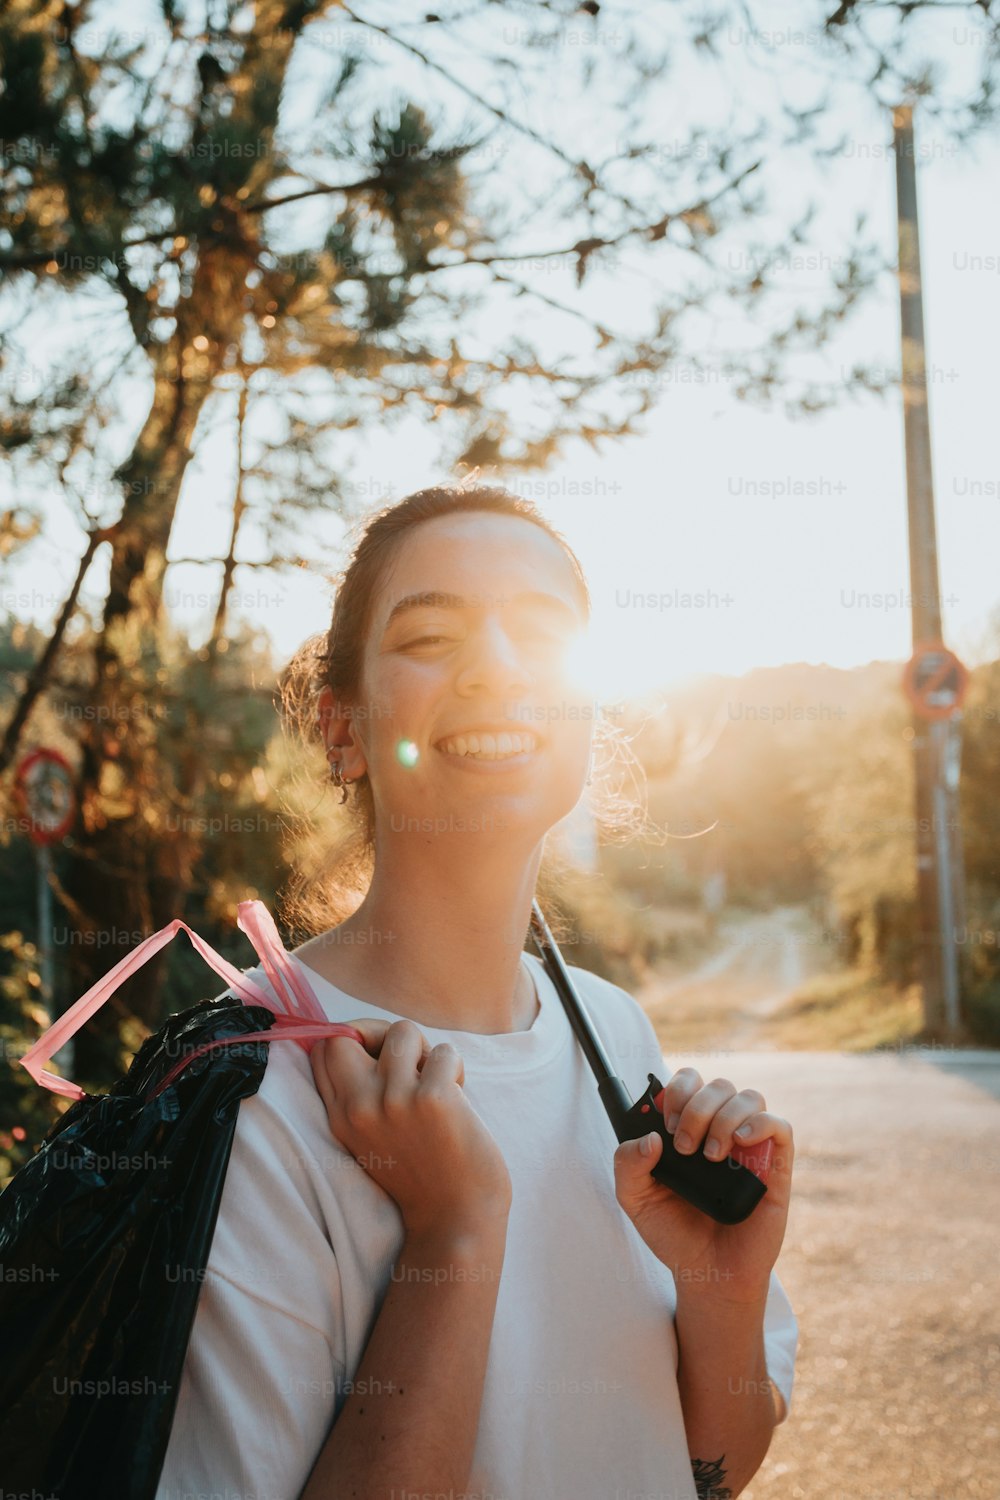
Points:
(39, 675)
(579, 167)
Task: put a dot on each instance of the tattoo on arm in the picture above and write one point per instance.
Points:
(709, 1478)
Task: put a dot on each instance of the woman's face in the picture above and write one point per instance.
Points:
(477, 630)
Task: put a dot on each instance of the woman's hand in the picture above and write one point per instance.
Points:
(731, 1262)
(397, 1105)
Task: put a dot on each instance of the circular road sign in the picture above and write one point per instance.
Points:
(935, 681)
(44, 785)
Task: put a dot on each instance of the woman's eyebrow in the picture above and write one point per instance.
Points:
(435, 599)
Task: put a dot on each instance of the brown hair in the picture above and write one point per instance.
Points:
(332, 866)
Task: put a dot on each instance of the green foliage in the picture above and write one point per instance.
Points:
(850, 1009)
(26, 1111)
(211, 819)
(980, 815)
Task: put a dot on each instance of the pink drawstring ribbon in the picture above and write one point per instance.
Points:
(302, 1018)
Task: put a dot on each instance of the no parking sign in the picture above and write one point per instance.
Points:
(935, 681)
(44, 787)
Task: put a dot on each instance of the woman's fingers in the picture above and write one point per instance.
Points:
(721, 1122)
(334, 1057)
(372, 1028)
(689, 1104)
(762, 1125)
(352, 1091)
(773, 1139)
(444, 1065)
(404, 1046)
(684, 1083)
(695, 1107)
(721, 1128)
(383, 1070)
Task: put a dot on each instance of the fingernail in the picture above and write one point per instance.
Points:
(744, 1129)
(646, 1145)
(672, 1122)
(711, 1148)
(682, 1141)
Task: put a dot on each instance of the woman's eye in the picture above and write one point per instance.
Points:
(545, 639)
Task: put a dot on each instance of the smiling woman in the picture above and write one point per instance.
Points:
(380, 626)
(432, 1271)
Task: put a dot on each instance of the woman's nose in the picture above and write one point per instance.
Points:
(494, 661)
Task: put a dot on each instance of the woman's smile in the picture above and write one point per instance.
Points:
(490, 760)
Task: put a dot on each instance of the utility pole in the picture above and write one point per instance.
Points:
(935, 729)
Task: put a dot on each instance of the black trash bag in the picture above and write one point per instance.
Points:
(104, 1238)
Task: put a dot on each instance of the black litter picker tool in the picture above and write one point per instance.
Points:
(728, 1191)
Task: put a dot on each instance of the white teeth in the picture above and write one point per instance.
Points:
(489, 746)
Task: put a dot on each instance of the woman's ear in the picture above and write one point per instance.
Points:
(325, 708)
(335, 726)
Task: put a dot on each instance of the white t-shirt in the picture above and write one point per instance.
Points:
(581, 1391)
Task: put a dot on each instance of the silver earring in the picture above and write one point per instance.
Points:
(337, 773)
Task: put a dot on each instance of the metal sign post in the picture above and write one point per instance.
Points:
(43, 785)
(935, 681)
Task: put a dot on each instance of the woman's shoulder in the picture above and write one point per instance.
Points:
(612, 999)
(622, 1024)
(286, 1115)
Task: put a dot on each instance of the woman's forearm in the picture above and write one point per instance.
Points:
(725, 1391)
(410, 1422)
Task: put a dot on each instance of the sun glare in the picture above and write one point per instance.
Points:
(579, 665)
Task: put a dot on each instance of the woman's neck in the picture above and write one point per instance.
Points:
(443, 948)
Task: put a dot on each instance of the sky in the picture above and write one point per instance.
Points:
(722, 537)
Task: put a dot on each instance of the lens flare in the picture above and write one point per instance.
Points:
(578, 663)
(407, 754)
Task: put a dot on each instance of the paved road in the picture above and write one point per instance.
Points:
(890, 1260)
